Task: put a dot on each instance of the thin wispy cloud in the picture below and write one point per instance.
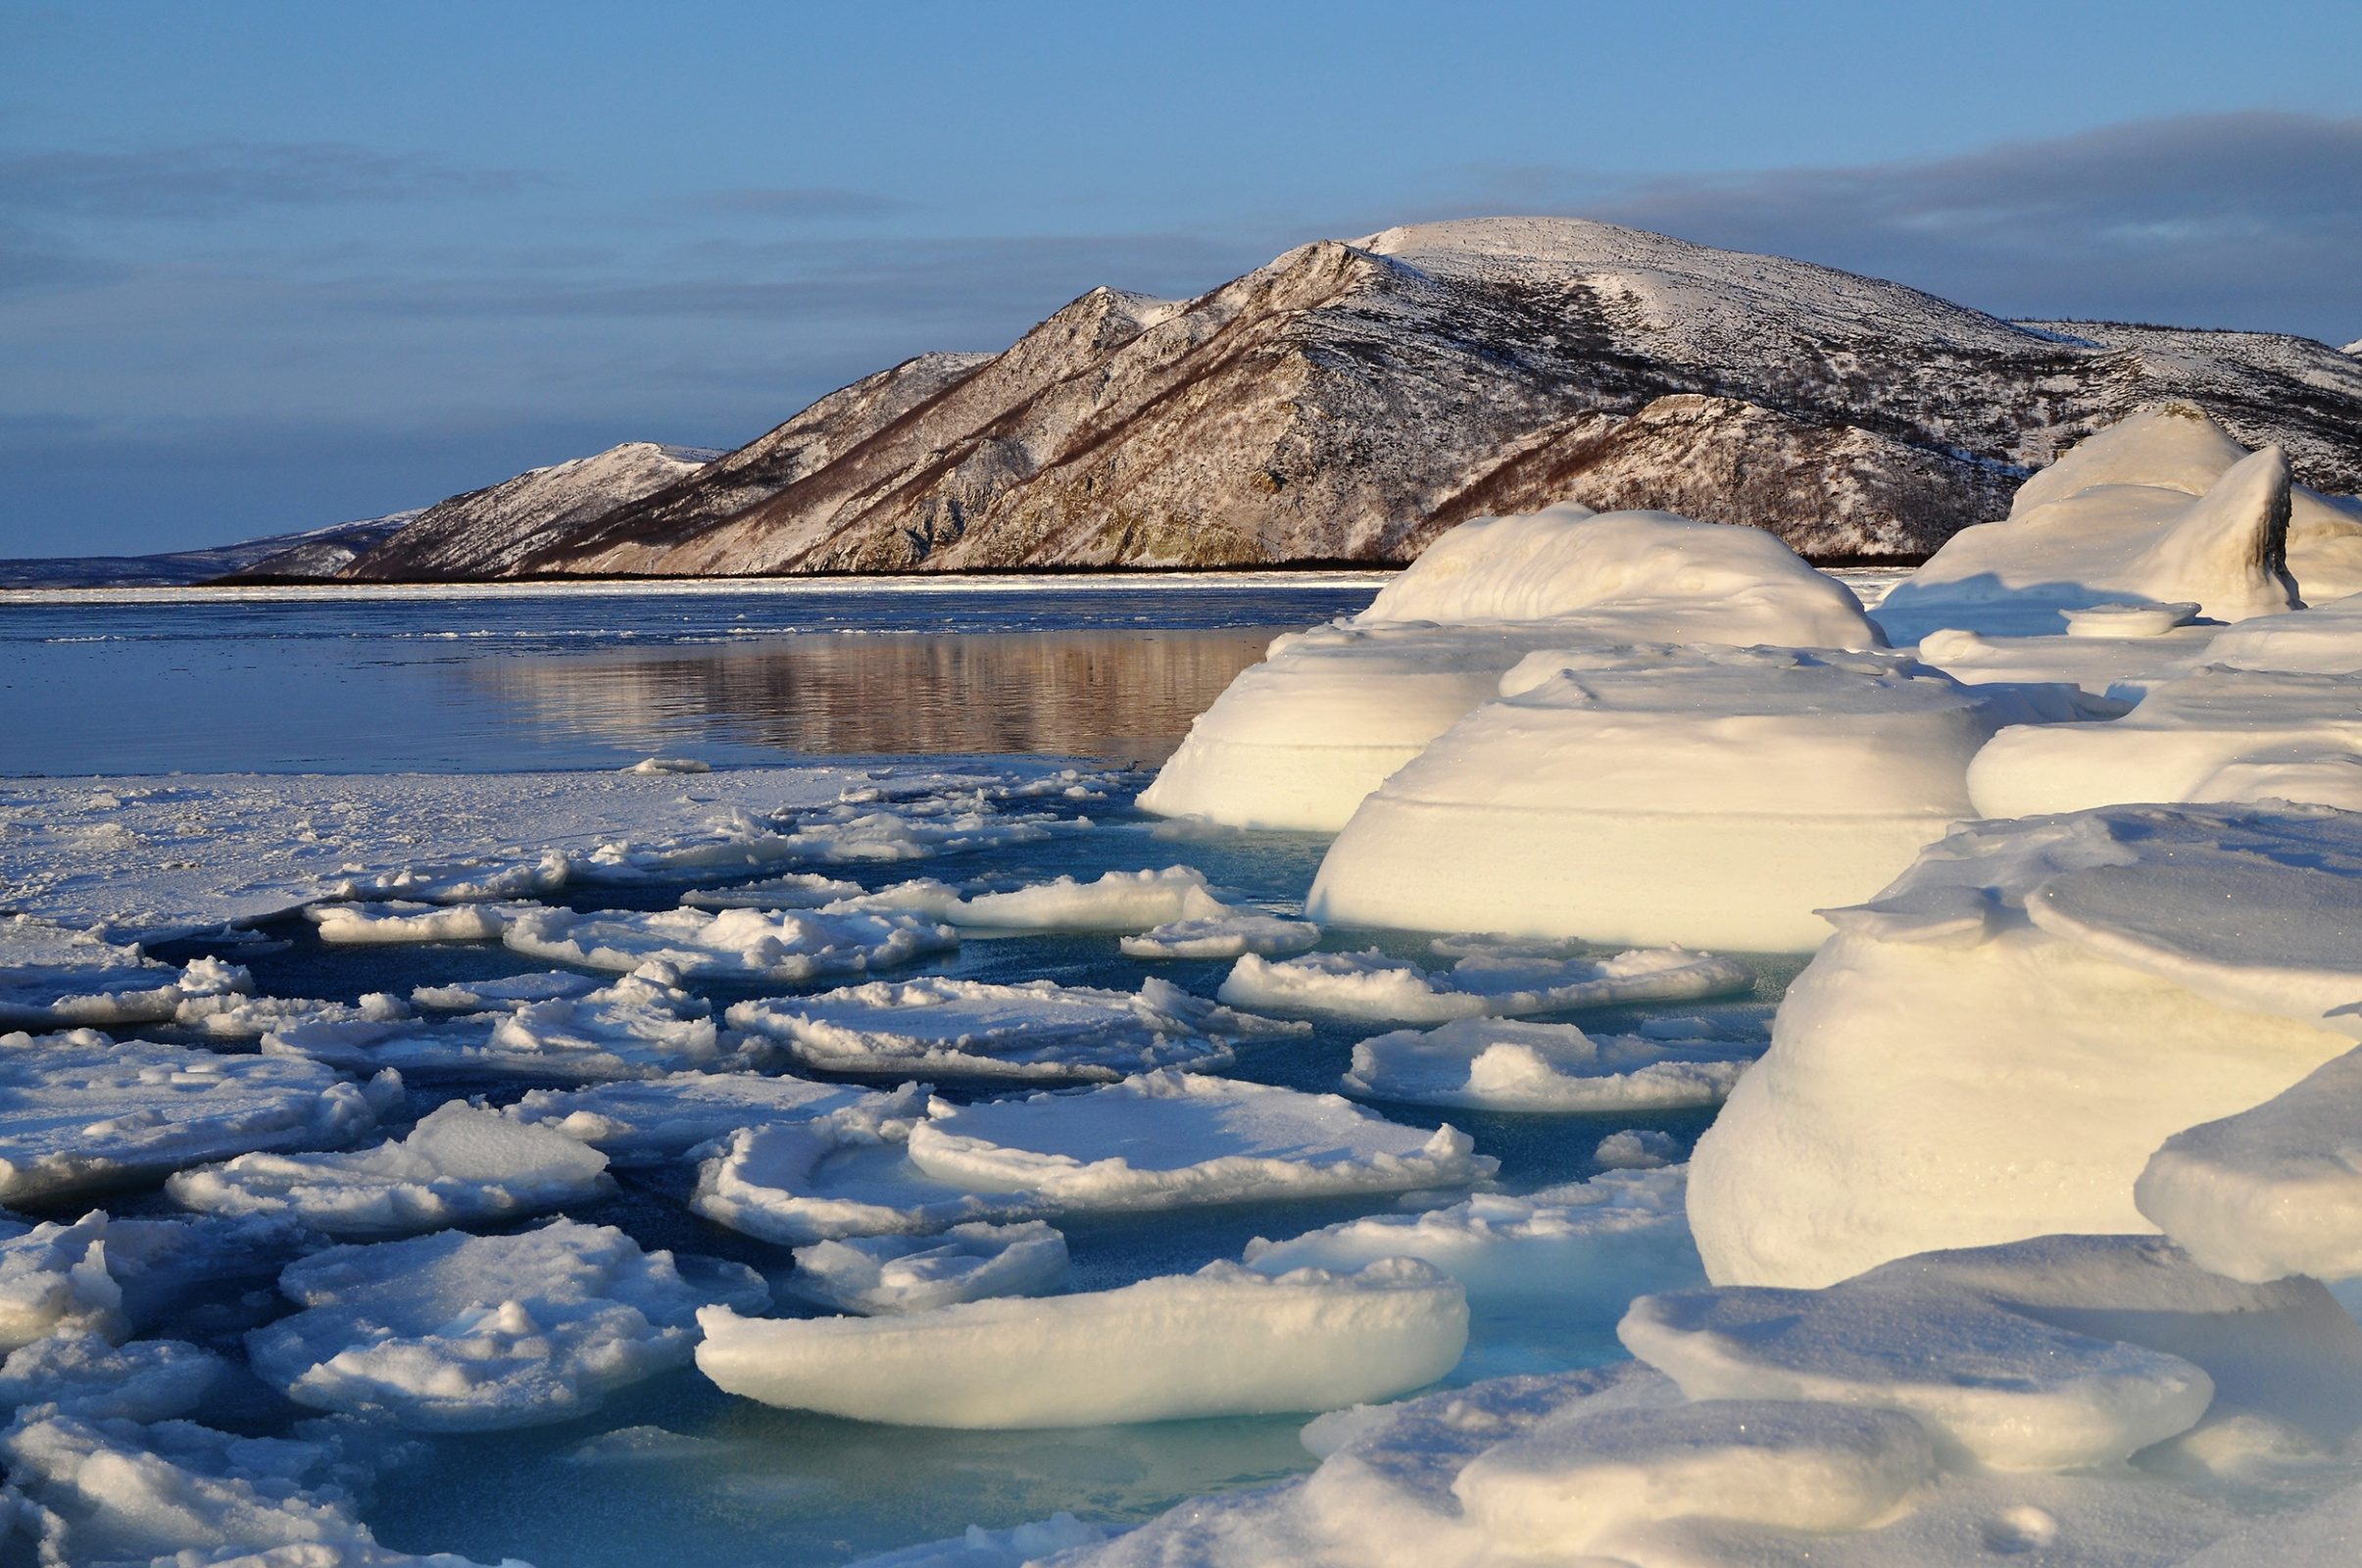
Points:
(2246, 220)
(223, 179)
(806, 203)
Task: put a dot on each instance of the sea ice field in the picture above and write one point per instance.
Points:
(1520, 1078)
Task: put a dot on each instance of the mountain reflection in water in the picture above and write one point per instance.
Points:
(1123, 696)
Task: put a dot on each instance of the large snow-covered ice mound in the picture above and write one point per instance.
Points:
(1162, 1140)
(80, 1113)
(2159, 507)
(1654, 793)
(2215, 734)
(1489, 979)
(458, 1333)
(1298, 740)
(1994, 1046)
(1504, 1064)
(1037, 1029)
(460, 1164)
(1224, 1341)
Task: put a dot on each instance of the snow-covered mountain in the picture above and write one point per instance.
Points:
(1352, 399)
(314, 553)
(485, 534)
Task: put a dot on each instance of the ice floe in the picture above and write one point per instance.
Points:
(648, 1120)
(1038, 1029)
(884, 1274)
(1298, 740)
(80, 1112)
(2161, 507)
(790, 945)
(179, 856)
(53, 977)
(181, 1494)
(352, 923)
(1119, 902)
(81, 1374)
(1163, 1140)
(457, 1333)
(1582, 1245)
(109, 1277)
(1504, 1064)
(638, 1027)
(1497, 980)
(1994, 1048)
(1224, 936)
(459, 1165)
(1224, 1341)
(1654, 792)
(796, 890)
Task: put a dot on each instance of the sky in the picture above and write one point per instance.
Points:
(272, 267)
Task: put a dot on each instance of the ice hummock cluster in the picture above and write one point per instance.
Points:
(1905, 1302)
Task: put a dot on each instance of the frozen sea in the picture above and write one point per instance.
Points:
(903, 678)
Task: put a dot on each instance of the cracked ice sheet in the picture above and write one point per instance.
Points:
(150, 858)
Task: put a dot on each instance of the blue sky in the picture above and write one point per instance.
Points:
(269, 267)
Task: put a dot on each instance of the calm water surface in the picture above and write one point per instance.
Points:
(596, 677)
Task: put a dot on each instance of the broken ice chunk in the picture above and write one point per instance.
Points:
(457, 1333)
(460, 1164)
(1372, 985)
(1224, 1341)
(80, 1113)
(1501, 1065)
(885, 1274)
(789, 945)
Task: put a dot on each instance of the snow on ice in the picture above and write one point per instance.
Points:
(649, 1120)
(80, 1113)
(1157, 1141)
(790, 945)
(460, 1164)
(1035, 1030)
(1488, 981)
(1224, 1341)
(1504, 1064)
(639, 1027)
